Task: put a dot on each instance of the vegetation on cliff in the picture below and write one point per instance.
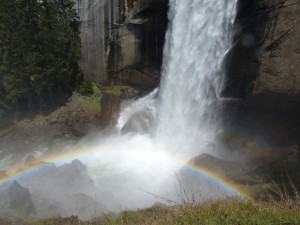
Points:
(39, 52)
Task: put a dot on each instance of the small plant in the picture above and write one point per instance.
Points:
(283, 196)
(250, 87)
(86, 87)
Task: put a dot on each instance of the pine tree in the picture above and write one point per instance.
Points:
(39, 50)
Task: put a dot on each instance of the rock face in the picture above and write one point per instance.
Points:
(136, 49)
(266, 49)
(123, 40)
(97, 18)
(263, 71)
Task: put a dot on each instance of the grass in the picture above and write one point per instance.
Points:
(217, 212)
(87, 103)
(117, 90)
(92, 103)
(231, 211)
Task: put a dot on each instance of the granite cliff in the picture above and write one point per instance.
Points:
(123, 40)
(263, 72)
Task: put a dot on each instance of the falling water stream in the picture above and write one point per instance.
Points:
(197, 40)
(157, 135)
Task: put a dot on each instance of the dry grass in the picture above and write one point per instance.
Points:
(231, 211)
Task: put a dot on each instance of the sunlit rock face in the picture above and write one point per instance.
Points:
(93, 32)
(263, 71)
(98, 21)
(123, 40)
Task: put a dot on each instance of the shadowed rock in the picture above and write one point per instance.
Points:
(139, 122)
(219, 166)
(19, 198)
(110, 108)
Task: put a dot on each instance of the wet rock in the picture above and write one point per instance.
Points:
(81, 129)
(19, 198)
(138, 79)
(222, 167)
(30, 160)
(129, 93)
(110, 109)
(3, 174)
(83, 206)
(56, 182)
(72, 176)
(139, 122)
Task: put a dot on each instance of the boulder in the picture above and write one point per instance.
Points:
(30, 159)
(129, 93)
(56, 182)
(19, 198)
(138, 79)
(83, 206)
(139, 122)
(3, 174)
(222, 167)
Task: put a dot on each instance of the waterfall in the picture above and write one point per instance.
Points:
(179, 119)
(197, 40)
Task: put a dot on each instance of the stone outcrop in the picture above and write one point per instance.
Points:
(123, 40)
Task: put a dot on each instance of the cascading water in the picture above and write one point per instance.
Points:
(159, 133)
(197, 41)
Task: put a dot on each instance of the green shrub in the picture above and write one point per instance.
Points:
(86, 87)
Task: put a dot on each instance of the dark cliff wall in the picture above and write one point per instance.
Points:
(123, 40)
(136, 48)
(263, 72)
(266, 48)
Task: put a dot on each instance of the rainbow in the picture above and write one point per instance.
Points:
(222, 181)
(61, 158)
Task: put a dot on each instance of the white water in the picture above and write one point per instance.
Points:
(196, 43)
(173, 123)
